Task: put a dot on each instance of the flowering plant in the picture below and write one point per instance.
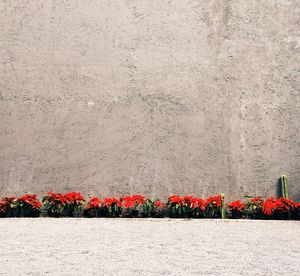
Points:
(157, 204)
(136, 205)
(55, 204)
(176, 207)
(27, 206)
(254, 208)
(7, 206)
(112, 207)
(269, 206)
(94, 207)
(187, 206)
(236, 208)
(197, 206)
(213, 206)
(158, 208)
(75, 202)
(281, 208)
(146, 208)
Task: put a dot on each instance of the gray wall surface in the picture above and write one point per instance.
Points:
(112, 97)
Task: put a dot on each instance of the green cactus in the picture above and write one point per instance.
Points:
(284, 186)
(223, 211)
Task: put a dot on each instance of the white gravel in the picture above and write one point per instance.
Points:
(71, 246)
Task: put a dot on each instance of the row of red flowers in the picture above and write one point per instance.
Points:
(74, 204)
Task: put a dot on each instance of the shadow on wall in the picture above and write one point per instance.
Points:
(278, 188)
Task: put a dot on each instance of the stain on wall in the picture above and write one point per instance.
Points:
(154, 97)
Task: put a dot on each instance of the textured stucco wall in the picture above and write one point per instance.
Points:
(120, 96)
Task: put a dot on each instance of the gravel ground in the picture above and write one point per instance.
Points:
(47, 246)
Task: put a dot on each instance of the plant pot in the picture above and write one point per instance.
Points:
(236, 215)
(43, 212)
(54, 214)
(157, 214)
(283, 216)
(269, 217)
(254, 215)
(77, 214)
(92, 213)
(135, 213)
(11, 213)
(67, 213)
(187, 214)
(296, 214)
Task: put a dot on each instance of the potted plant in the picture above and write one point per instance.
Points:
(93, 208)
(7, 207)
(128, 207)
(188, 206)
(236, 209)
(198, 206)
(146, 208)
(284, 208)
(269, 208)
(213, 207)
(254, 207)
(157, 209)
(112, 207)
(134, 206)
(27, 206)
(75, 202)
(55, 204)
(176, 207)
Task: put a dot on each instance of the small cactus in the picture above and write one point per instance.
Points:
(223, 211)
(284, 186)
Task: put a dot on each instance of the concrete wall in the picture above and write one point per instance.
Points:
(121, 96)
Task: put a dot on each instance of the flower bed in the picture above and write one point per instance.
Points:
(25, 206)
(73, 204)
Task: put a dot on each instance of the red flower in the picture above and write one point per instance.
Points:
(74, 198)
(112, 200)
(139, 199)
(174, 199)
(157, 203)
(94, 202)
(188, 199)
(30, 200)
(296, 205)
(257, 200)
(55, 198)
(236, 206)
(201, 203)
(255, 205)
(215, 201)
(269, 206)
(129, 203)
(133, 201)
(194, 202)
(6, 203)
